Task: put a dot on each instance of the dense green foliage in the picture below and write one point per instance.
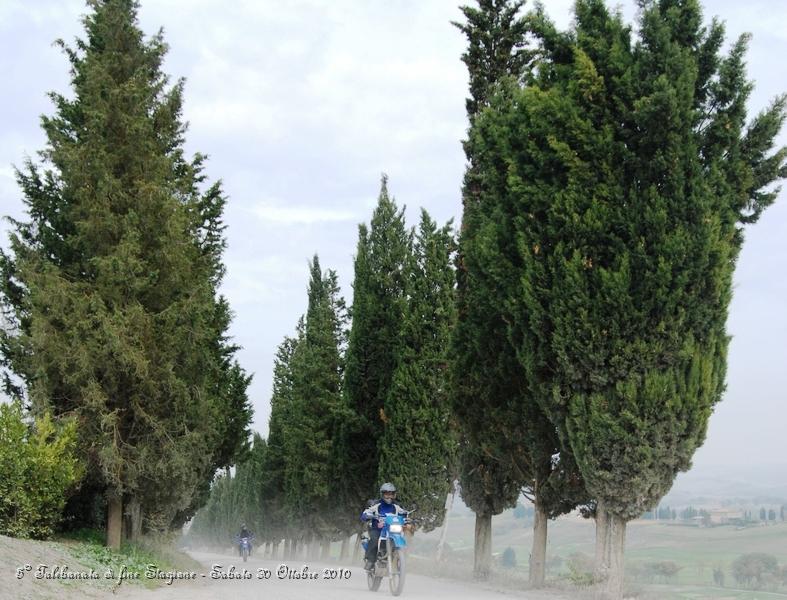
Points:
(626, 170)
(497, 48)
(278, 523)
(617, 177)
(315, 481)
(310, 444)
(38, 468)
(110, 287)
(375, 344)
(493, 401)
(417, 447)
(486, 377)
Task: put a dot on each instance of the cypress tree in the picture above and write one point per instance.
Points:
(630, 172)
(494, 402)
(316, 397)
(275, 463)
(110, 287)
(417, 444)
(247, 491)
(378, 311)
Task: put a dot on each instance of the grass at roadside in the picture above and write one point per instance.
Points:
(133, 559)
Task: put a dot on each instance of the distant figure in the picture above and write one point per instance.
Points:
(245, 532)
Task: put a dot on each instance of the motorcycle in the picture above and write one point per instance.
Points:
(390, 554)
(244, 547)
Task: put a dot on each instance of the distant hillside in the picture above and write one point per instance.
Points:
(759, 484)
(765, 483)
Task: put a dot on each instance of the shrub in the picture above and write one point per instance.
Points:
(662, 570)
(755, 569)
(38, 467)
(580, 569)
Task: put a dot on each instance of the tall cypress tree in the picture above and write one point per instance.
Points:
(278, 524)
(494, 402)
(378, 310)
(111, 284)
(316, 397)
(417, 445)
(630, 171)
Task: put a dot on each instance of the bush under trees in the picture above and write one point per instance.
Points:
(38, 468)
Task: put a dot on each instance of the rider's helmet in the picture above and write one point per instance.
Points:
(388, 492)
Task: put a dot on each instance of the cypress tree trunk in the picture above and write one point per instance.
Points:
(538, 554)
(345, 550)
(449, 503)
(602, 543)
(610, 546)
(325, 551)
(268, 547)
(357, 548)
(612, 588)
(114, 522)
(291, 548)
(134, 514)
(482, 559)
(275, 549)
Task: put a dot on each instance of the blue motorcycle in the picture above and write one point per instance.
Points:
(390, 554)
(244, 547)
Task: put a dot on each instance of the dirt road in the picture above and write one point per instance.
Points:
(285, 581)
(223, 577)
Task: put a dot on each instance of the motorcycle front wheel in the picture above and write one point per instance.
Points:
(245, 554)
(395, 569)
(373, 582)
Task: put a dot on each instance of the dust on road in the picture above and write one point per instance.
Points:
(279, 580)
(221, 576)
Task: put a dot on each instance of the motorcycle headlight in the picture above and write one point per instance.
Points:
(395, 528)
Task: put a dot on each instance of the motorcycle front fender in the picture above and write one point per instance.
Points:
(397, 539)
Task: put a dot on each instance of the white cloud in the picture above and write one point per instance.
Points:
(274, 212)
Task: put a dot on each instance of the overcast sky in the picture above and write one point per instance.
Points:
(301, 105)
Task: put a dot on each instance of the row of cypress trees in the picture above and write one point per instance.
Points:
(354, 406)
(610, 176)
(111, 313)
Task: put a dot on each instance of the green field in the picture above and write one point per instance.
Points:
(697, 550)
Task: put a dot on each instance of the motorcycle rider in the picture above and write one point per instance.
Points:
(245, 532)
(376, 514)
